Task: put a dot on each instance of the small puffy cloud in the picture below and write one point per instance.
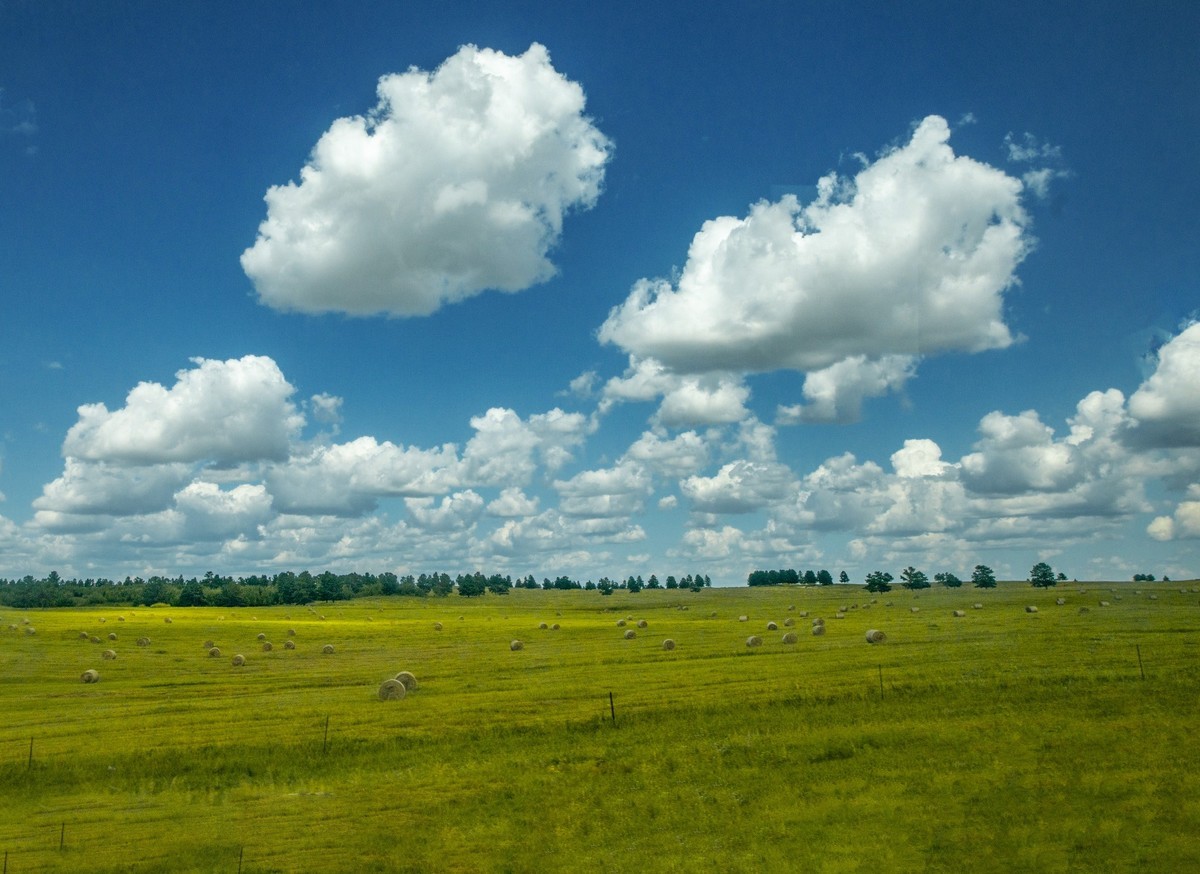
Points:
(456, 182)
(454, 513)
(513, 502)
(98, 488)
(506, 449)
(919, 458)
(739, 487)
(706, 399)
(836, 393)
(1028, 148)
(1184, 524)
(1166, 407)
(678, 456)
(223, 411)
(713, 543)
(606, 493)
(326, 409)
(910, 257)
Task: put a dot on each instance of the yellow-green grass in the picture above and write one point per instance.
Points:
(996, 741)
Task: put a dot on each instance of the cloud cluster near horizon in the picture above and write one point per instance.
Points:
(455, 183)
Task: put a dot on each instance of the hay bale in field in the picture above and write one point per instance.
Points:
(642, 623)
(803, 614)
(26, 621)
(408, 679)
(1154, 597)
(108, 655)
(94, 639)
(1031, 609)
(167, 620)
(291, 632)
(208, 644)
(437, 626)
(83, 635)
(542, 626)
(876, 636)
(960, 613)
(90, 676)
(620, 623)
(102, 619)
(977, 606)
(791, 606)
(30, 630)
(790, 637)
(143, 641)
(753, 640)
(668, 644)
(1060, 601)
(239, 660)
(842, 609)
(391, 690)
(554, 627)
(260, 636)
(214, 653)
(516, 645)
(630, 634)
(266, 647)
(818, 621)
(289, 644)
(888, 604)
(914, 609)
(120, 618)
(771, 626)
(327, 649)
(743, 619)
(112, 635)
(789, 622)
(1103, 603)
(818, 630)
(839, 615)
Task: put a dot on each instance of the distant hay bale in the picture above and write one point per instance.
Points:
(630, 634)
(620, 623)
(771, 626)
(327, 649)
(90, 676)
(143, 641)
(437, 626)
(120, 618)
(208, 644)
(289, 644)
(629, 618)
(94, 639)
(26, 621)
(260, 636)
(668, 644)
(743, 619)
(1060, 601)
(876, 636)
(112, 635)
(914, 609)
(803, 614)
(83, 635)
(960, 613)
(790, 637)
(753, 640)
(1103, 603)
(516, 645)
(167, 620)
(839, 615)
(1031, 609)
(408, 679)
(842, 609)
(108, 655)
(818, 621)
(102, 619)
(391, 690)
(818, 630)
(266, 647)
(791, 606)
(542, 626)
(30, 630)
(1154, 597)
(888, 604)
(977, 606)
(214, 653)
(239, 660)
(642, 623)
(554, 627)
(291, 632)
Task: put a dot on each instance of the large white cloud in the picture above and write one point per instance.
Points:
(99, 488)
(456, 182)
(221, 411)
(910, 257)
(1166, 408)
(836, 393)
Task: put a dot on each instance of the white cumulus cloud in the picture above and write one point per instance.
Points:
(456, 182)
(1166, 407)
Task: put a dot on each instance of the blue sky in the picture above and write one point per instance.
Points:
(600, 289)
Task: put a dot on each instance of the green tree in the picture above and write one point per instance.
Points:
(879, 581)
(947, 579)
(982, 577)
(192, 595)
(843, 577)
(911, 578)
(1041, 575)
(824, 577)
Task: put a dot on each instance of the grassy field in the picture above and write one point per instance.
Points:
(1000, 740)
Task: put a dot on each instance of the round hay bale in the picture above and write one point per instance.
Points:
(391, 690)
(620, 623)
(771, 626)
(1060, 601)
(30, 630)
(239, 660)
(1154, 597)
(167, 620)
(789, 622)
(289, 644)
(791, 606)
(842, 609)
(668, 644)
(143, 641)
(1031, 609)
(83, 635)
(437, 626)
(818, 630)
(803, 614)
(977, 606)
(960, 613)
(102, 619)
(914, 609)
(516, 645)
(260, 636)
(112, 635)
(208, 644)
(408, 679)
(790, 637)
(554, 627)
(214, 652)
(90, 676)
(108, 655)
(291, 632)
(94, 639)
(743, 619)
(839, 615)
(630, 634)
(642, 623)
(876, 636)
(120, 618)
(327, 649)
(753, 640)
(266, 647)
(1103, 603)
(542, 626)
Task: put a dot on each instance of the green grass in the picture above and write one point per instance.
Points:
(1000, 741)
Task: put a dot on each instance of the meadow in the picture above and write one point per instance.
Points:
(999, 740)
